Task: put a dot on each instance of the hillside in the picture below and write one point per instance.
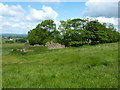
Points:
(73, 67)
(13, 35)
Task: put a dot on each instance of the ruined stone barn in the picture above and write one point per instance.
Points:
(52, 45)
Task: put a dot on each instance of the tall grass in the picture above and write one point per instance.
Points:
(82, 67)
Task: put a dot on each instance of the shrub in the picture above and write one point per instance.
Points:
(21, 40)
(9, 42)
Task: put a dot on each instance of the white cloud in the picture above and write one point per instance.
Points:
(1, 18)
(6, 10)
(107, 20)
(29, 6)
(14, 19)
(97, 8)
(20, 28)
(39, 15)
(112, 20)
(102, 10)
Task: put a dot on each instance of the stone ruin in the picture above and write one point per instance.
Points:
(38, 45)
(19, 50)
(52, 45)
(26, 46)
(24, 49)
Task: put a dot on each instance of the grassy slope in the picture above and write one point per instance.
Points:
(84, 67)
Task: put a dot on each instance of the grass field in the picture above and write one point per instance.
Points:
(74, 67)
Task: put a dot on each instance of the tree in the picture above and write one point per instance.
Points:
(101, 33)
(42, 33)
(73, 32)
(113, 35)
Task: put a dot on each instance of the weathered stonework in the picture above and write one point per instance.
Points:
(52, 45)
(38, 45)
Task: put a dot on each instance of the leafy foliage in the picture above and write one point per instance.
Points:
(21, 40)
(42, 33)
(9, 42)
(74, 32)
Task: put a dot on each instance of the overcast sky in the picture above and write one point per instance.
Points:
(20, 17)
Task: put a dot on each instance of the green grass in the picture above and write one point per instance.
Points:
(74, 67)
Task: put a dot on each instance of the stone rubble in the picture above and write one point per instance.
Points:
(52, 45)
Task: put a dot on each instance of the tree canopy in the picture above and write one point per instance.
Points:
(73, 32)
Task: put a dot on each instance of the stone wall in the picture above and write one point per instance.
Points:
(52, 45)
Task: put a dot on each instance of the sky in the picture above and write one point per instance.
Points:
(20, 17)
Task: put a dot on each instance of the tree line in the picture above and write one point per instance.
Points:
(73, 32)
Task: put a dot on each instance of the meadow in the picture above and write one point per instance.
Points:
(88, 66)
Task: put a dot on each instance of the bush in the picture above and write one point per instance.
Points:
(21, 40)
(9, 42)
(75, 43)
